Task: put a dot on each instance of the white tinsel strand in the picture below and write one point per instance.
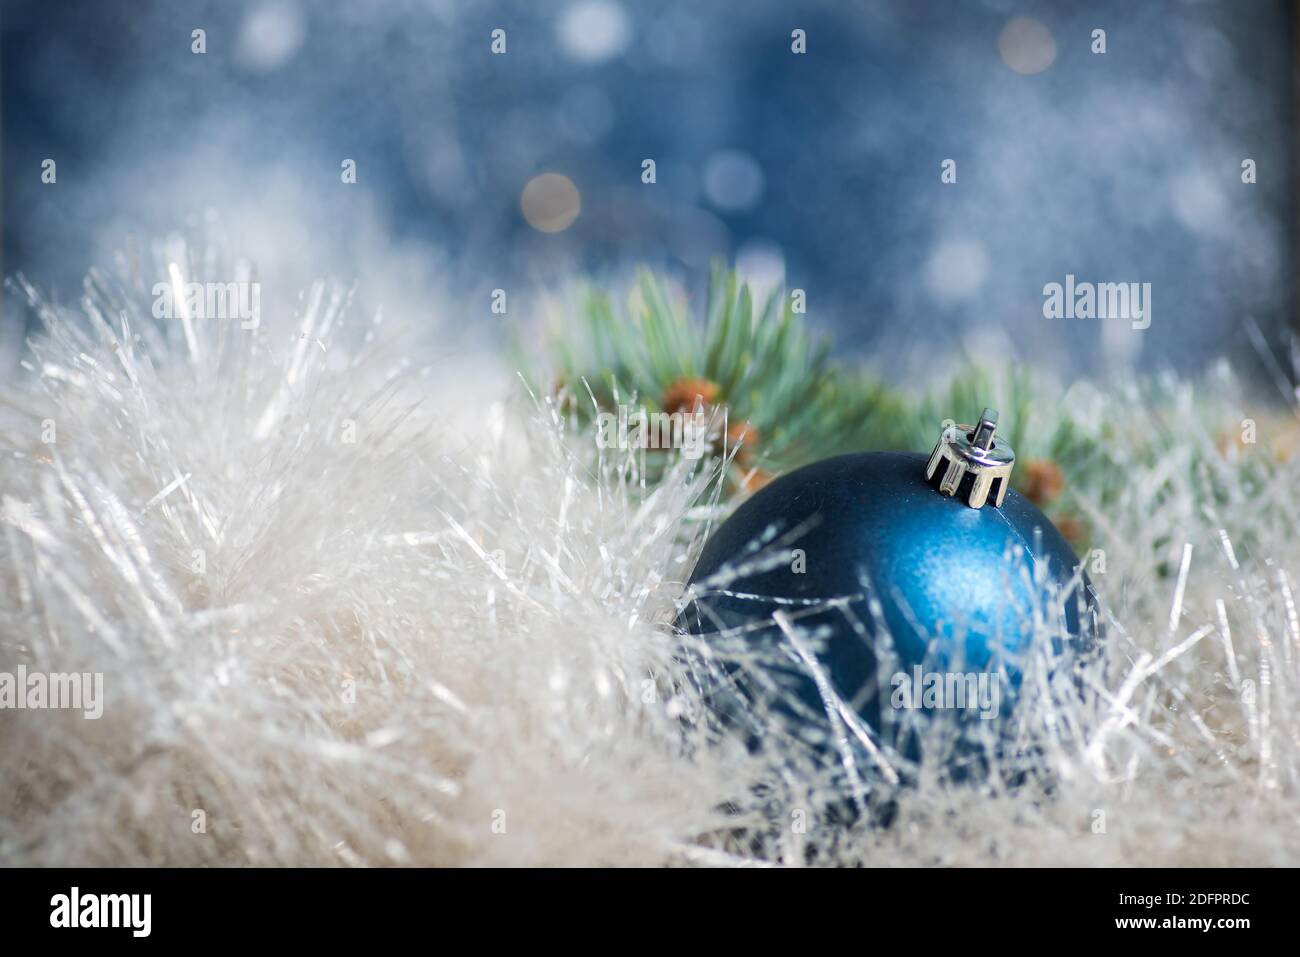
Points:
(336, 634)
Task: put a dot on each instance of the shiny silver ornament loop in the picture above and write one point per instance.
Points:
(972, 463)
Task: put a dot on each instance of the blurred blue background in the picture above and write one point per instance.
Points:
(821, 170)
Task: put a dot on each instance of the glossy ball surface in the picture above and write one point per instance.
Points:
(956, 586)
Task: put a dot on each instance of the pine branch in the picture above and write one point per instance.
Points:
(778, 382)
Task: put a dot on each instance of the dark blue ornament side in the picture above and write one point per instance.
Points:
(873, 574)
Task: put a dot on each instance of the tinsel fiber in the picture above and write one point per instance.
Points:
(335, 627)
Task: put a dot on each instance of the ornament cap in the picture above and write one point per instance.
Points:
(972, 463)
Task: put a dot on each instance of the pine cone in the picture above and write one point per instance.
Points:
(1043, 481)
(1074, 530)
(755, 479)
(744, 435)
(685, 394)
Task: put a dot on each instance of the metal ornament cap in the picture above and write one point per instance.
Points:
(972, 464)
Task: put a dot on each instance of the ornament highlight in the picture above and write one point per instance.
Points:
(885, 588)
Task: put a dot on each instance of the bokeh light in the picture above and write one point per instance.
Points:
(956, 270)
(1026, 45)
(733, 181)
(270, 36)
(550, 202)
(592, 31)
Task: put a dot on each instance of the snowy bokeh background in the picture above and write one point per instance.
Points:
(822, 170)
(202, 531)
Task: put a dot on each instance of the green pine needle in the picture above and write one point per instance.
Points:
(771, 372)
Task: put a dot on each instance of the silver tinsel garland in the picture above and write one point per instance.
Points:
(335, 627)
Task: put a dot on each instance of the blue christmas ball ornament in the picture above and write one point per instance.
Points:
(885, 587)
